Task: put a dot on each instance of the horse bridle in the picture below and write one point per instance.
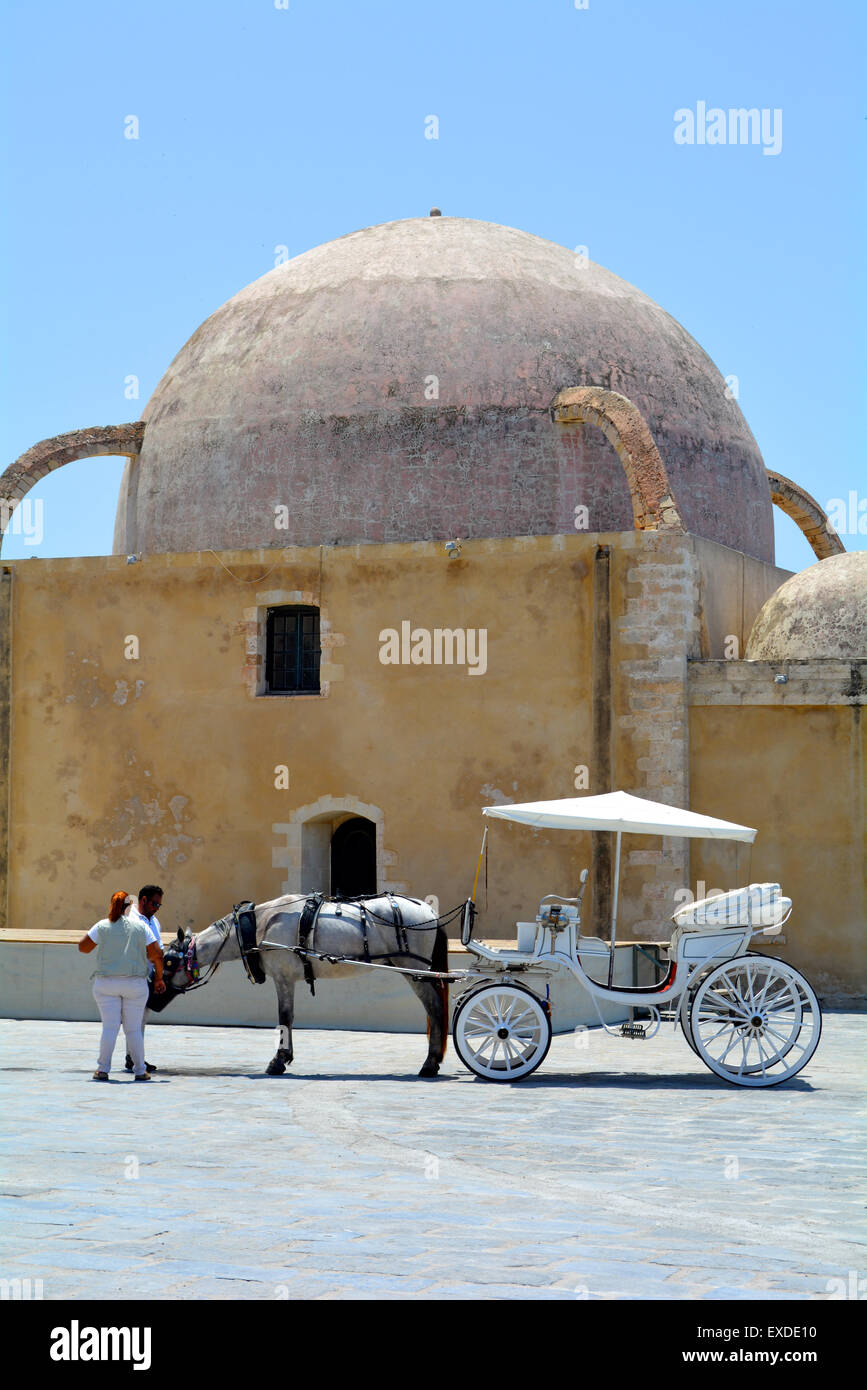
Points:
(188, 962)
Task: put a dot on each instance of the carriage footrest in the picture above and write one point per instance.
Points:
(633, 1030)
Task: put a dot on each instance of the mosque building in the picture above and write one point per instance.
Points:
(434, 516)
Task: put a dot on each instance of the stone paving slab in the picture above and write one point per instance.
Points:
(620, 1170)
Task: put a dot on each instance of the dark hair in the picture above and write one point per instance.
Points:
(150, 890)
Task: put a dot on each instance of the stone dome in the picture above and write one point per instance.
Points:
(396, 385)
(820, 612)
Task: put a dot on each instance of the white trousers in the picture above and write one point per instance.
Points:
(121, 999)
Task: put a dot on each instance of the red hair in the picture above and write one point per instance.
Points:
(118, 906)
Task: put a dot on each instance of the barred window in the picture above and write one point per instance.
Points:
(292, 651)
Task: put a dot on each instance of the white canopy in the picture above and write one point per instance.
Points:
(620, 811)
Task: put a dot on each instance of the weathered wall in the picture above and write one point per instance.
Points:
(654, 595)
(734, 587)
(163, 768)
(789, 758)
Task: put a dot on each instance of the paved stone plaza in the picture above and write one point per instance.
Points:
(619, 1170)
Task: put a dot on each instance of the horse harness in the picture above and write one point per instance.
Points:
(310, 915)
(242, 921)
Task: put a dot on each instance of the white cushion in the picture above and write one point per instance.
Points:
(759, 905)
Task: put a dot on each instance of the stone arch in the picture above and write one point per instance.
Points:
(625, 428)
(328, 812)
(50, 454)
(807, 515)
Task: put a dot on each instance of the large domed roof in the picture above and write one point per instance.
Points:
(396, 385)
(820, 612)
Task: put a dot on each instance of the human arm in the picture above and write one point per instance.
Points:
(88, 941)
(155, 956)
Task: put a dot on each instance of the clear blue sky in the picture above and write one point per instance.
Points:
(262, 126)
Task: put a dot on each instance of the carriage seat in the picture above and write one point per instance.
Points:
(760, 905)
(593, 946)
(519, 957)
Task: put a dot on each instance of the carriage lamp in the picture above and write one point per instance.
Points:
(453, 548)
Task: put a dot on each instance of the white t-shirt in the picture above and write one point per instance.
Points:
(93, 933)
(94, 930)
(134, 915)
(153, 926)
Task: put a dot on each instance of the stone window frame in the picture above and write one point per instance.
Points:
(294, 671)
(254, 628)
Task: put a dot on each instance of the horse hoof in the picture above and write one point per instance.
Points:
(275, 1069)
(429, 1070)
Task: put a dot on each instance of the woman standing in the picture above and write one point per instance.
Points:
(120, 981)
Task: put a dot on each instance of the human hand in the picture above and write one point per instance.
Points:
(160, 987)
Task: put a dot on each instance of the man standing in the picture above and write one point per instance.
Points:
(150, 901)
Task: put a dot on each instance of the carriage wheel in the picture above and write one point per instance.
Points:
(685, 1025)
(502, 1032)
(690, 995)
(755, 1021)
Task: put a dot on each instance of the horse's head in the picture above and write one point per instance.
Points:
(180, 969)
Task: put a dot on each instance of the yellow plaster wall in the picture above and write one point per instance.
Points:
(734, 587)
(796, 773)
(163, 768)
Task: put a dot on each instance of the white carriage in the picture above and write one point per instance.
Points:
(751, 1018)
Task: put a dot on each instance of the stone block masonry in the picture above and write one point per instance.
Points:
(657, 632)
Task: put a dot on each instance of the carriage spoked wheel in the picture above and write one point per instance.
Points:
(755, 1021)
(691, 993)
(502, 1032)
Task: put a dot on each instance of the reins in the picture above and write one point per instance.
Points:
(367, 961)
(450, 976)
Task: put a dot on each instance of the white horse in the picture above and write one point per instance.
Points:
(356, 928)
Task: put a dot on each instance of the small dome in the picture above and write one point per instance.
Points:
(821, 612)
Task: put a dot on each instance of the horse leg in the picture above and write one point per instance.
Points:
(434, 995)
(285, 1009)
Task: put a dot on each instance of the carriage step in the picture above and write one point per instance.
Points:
(633, 1030)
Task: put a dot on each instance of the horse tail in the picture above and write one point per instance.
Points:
(440, 961)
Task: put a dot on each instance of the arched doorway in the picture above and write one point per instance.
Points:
(353, 858)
